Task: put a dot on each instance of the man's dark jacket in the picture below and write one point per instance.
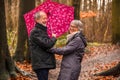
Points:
(40, 42)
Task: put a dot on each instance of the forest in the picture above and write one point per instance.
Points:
(101, 20)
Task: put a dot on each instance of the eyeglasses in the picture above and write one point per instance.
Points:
(72, 27)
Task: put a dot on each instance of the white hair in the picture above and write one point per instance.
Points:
(78, 24)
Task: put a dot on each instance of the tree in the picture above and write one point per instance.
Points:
(76, 4)
(6, 63)
(115, 21)
(8, 16)
(85, 5)
(90, 4)
(38, 2)
(22, 38)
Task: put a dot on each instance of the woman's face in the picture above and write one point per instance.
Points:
(73, 28)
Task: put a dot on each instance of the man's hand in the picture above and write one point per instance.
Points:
(53, 35)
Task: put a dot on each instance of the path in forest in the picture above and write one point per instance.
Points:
(90, 64)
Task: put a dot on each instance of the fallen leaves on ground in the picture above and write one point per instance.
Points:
(98, 65)
(25, 66)
(91, 52)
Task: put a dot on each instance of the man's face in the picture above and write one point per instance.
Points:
(43, 19)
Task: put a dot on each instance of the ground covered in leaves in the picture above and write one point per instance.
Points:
(97, 58)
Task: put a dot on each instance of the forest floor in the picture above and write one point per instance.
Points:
(97, 58)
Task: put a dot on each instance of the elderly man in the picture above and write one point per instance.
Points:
(40, 42)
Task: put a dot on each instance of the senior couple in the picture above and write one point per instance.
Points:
(42, 50)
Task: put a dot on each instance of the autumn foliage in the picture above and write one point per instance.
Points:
(87, 14)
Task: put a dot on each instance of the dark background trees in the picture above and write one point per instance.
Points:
(76, 4)
(116, 21)
(22, 39)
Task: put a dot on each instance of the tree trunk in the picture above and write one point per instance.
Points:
(37, 2)
(22, 31)
(8, 11)
(69, 2)
(115, 71)
(6, 63)
(4, 75)
(15, 12)
(27, 56)
(90, 4)
(9, 25)
(115, 21)
(76, 4)
(95, 5)
(103, 6)
(85, 5)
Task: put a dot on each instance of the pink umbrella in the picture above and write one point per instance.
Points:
(59, 17)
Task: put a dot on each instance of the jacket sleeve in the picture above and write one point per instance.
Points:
(69, 48)
(43, 40)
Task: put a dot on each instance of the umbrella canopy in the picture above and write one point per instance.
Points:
(59, 17)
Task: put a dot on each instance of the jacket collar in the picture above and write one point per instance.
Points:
(74, 35)
(40, 26)
(69, 36)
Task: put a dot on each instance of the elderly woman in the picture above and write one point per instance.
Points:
(72, 53)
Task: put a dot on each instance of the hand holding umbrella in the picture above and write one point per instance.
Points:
(53, 35)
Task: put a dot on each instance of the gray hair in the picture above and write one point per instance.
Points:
(78, 24)
(38, 14)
